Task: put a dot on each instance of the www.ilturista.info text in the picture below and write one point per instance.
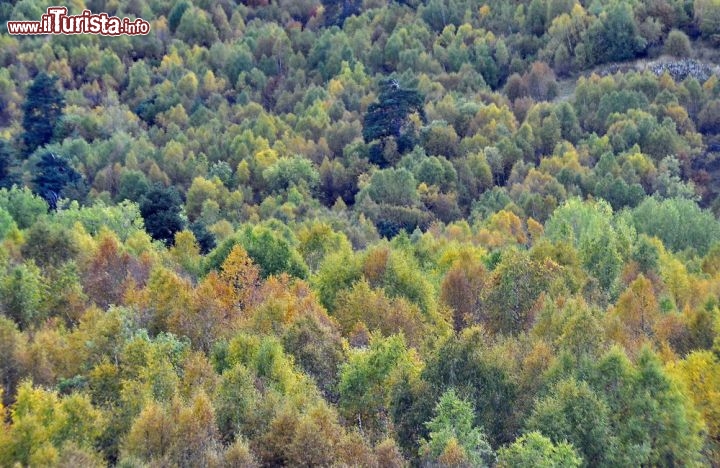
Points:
(57, 21)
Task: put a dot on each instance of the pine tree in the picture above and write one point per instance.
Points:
(161, 210)
(389, 118)
(8, 174)
(54, 176)
(43, 109)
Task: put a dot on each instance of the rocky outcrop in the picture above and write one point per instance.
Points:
(682, 69)
(678, 69)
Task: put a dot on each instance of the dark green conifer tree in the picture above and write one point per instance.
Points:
(42, 109)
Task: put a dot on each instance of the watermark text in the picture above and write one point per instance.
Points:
(57, 21)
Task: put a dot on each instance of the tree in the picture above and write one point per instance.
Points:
(677, 44)
(239, 454)
(290, 172)
(366, 380)
(22, 294)
(700, 372)
(54, 177)
(393, 187)
(49, 244)
(8, 169)
(269, 249)
(636, 313)
(337, 11)
(707, 16)
(176, 14)
(11, 346)
(574, 413)
(515, 286)
(196, 27)
(653, 421)
(42, 422)
(235, 401)
(109, 270)
(588, 226)
(709, 118)
(160, 208)
(616, 36)
(462, 289)
(536, 17)
(678, 222)
(205, 238)
(534, 450)
(362, 305)
(316, 240)
(43, 109)
(389, 119)
(453, 436)
(150, 436)
(482, 375)
(540, 82)
(318, 348)
(242, 276)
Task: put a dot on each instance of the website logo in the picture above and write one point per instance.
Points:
(57, 21)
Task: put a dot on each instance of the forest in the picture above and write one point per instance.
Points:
(362, 233)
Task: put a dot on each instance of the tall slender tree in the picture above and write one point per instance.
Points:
(43, 108)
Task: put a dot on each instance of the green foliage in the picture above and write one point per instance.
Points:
(44, 422)
(575, 414)
(133, 185)
(588, 226)
(42, 110)
(707, 16)
(453, 421)
(49, 244)
(54, 178)
(339, 271)
(518, 282)
(7, 223)
(652, 419)
(23, 293)
(389, 117)
(196, 28)
(677, 44)
(393, 187)
(615, 37)
(678, 222)
(160, 208)
(176, 14)
(272, 252)
(466, 364)
(535, 450)
(289, 172)
(234, 402)
(538, 302)
(124, 218)
(8, 163)
(337, 12)
(368, 376)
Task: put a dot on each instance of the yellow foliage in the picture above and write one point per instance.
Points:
(171, 61)
(699, 372)
(634, 316)
(454, 455)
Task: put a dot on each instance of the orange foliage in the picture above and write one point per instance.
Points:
(461, 290)
(110, 271)
(375, 264)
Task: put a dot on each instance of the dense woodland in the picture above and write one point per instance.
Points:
(362, 233)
